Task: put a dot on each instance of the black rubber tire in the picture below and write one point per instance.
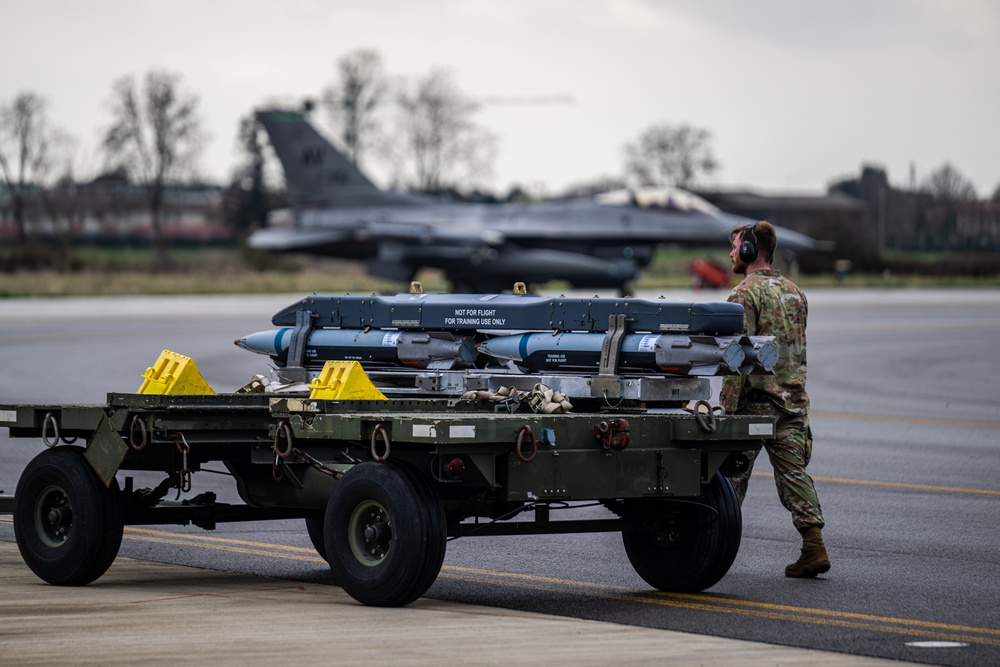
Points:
(699, 546)
(385, 534)
(68, 526)
(437, 533)
(314, 526)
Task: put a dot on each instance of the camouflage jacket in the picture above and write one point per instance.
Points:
(773, 306)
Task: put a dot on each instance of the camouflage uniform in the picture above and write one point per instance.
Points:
(774, 306)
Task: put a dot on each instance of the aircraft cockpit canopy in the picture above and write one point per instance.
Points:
(657, 198)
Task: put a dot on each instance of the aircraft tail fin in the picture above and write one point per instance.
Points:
(316, 173)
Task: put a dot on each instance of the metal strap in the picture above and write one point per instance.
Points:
(300, 334)
(612, 345)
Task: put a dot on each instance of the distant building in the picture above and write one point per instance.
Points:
(866, 216)
(110, 210)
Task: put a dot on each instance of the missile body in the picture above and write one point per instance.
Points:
(440, 350)
(640, 353)
(532, 352)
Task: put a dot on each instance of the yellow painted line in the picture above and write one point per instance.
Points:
(230, 549)
(694, 602)
(825, 612)
(928, 421)
(224, 540)
(837, 622)
(535, 579)
(679, 603)
(532, 578)
(894, 485)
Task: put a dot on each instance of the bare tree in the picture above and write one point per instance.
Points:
(667, 154)
(156, 136)
(353, 104)
(64, 203)
(948, 195)
(948, 185)
(64, 200)
(441, 140)
(26, 139)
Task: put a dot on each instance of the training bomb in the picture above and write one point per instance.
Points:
(640, 353)
(435, 350)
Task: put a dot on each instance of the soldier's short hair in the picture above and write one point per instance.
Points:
(762, 233)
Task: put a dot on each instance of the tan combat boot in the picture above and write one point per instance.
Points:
(813, 559)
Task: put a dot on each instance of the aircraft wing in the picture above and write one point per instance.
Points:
(429, 233)
(284, 239)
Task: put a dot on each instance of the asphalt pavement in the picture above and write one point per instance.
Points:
(904, 386)
(143, 613)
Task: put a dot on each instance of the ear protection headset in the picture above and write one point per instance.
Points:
(748, 247)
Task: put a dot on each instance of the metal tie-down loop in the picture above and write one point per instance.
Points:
(137, 446)
(277, 470)
(379, 430)
(50, 419)
(283, 428)
(183, 447)
(700, 415)
(521, 432)
(290, 450)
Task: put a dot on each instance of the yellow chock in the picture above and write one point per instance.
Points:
(344, 381)
(174, 374)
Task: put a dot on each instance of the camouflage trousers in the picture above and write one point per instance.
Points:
(789, 453)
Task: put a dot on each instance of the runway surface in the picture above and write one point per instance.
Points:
(906, 419)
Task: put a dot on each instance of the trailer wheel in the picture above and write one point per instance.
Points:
(314, 526)
(68, 526)
(437, 543)
(385, 534)
(699, 545)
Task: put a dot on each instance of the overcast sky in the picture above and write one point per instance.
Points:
(796, 93)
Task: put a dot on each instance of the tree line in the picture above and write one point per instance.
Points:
(421, 130)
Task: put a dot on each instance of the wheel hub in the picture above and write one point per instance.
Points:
(61, 516)
(370, 533)
(53, 516)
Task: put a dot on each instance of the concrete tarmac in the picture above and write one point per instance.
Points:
(143, 613)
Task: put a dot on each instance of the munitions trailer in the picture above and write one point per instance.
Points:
(386, 462)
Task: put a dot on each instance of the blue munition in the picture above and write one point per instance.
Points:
(642, 353)
(377, 347)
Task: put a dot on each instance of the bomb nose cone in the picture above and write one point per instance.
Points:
(264, 342)
(505, 347)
